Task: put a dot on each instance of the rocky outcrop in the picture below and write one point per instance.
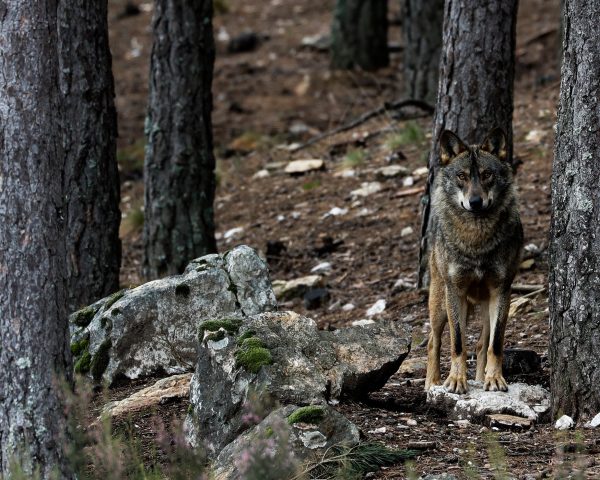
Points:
(298, 433)
(153, 328)
(285, 357)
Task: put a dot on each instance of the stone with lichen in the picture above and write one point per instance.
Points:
(284, 356)
(152, 329)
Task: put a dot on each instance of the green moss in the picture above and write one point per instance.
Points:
(110, 301)
(83, 317)
(230, 325)
(82, 366)
(253, 355)
(311, 414)
(244, 336)
(269, 432)
(77, 348)
(100, 360)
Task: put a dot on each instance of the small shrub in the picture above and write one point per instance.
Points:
(411, 134)
(354, 158)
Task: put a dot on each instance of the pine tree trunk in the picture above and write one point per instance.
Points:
(92, 178)
(422, 23)
(34, 350)
(476, 82)
(575, 230)
(359, 34)
(179, 167)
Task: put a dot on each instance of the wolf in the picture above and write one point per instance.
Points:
(476, 241)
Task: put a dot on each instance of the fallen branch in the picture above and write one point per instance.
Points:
(526, 288)
(398, 105)
(409, 191)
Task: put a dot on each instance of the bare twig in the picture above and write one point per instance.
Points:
(428, 109)
(526, 288)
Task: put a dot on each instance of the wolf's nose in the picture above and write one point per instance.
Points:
(476, 202)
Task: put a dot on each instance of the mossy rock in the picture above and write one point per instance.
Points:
(253, 355)
(230, 325)
(78, 347)
(82, 318)
(313, 414)
(100, 360)
(82, 366)
(110, 301)
(244, 336)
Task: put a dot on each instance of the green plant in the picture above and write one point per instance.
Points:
(309, 414)
(252, 355)
(411, 134)
(354, 158)
(308, 186)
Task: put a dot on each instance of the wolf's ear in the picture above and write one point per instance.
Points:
(450, 146)
(495, 143)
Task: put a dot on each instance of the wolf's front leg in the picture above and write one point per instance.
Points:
(498, 309)
(456, 308)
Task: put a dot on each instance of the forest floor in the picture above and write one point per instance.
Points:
(282, 93)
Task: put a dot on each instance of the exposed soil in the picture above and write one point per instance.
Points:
(283, 93)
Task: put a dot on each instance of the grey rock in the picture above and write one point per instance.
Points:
(153, 328)
(288, 289)
(299, 442)
(304, 366)
(521, 400)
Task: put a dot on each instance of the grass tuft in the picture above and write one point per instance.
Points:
(411, 134)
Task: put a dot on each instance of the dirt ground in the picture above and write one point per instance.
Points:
(283, 93)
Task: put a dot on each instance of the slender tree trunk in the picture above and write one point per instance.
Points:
(92, 178)
(179, 166)
(359, 34)
(476, 83)
(422, 23)
(575, 230)
(34, 350)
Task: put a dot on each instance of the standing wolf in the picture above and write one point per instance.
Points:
(476, 243)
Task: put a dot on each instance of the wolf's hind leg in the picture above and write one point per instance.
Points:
(498, 308)
(456, 308)
(483, 342)
(437, 318)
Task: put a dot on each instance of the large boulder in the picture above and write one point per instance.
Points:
(152, 329)
(287, 437)
(285, 357)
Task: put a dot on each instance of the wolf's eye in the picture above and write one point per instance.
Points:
(461, 176)
(486, 175)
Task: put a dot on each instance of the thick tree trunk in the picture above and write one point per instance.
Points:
(92, 178)
(34, 351)
(179, 166)
(359, 34)
(575, 231)
(476, 82)
(422, 23)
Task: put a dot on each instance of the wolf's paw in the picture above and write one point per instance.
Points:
(432, 383)
(495, 383)
(456, 384)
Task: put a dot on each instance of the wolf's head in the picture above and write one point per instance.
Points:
(474, 178)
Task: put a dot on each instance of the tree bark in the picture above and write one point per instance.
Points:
(422, 23)
(575, 228)
(476, 83)
(92, 177)
(179, 166)
(34, 350)
(359, 34)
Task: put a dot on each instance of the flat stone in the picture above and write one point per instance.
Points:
(520, 401)
(366, 189)
(508, 422)
(391, 171)
(413, 367)
(296, 167)
(288, 289)
(163, 391)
